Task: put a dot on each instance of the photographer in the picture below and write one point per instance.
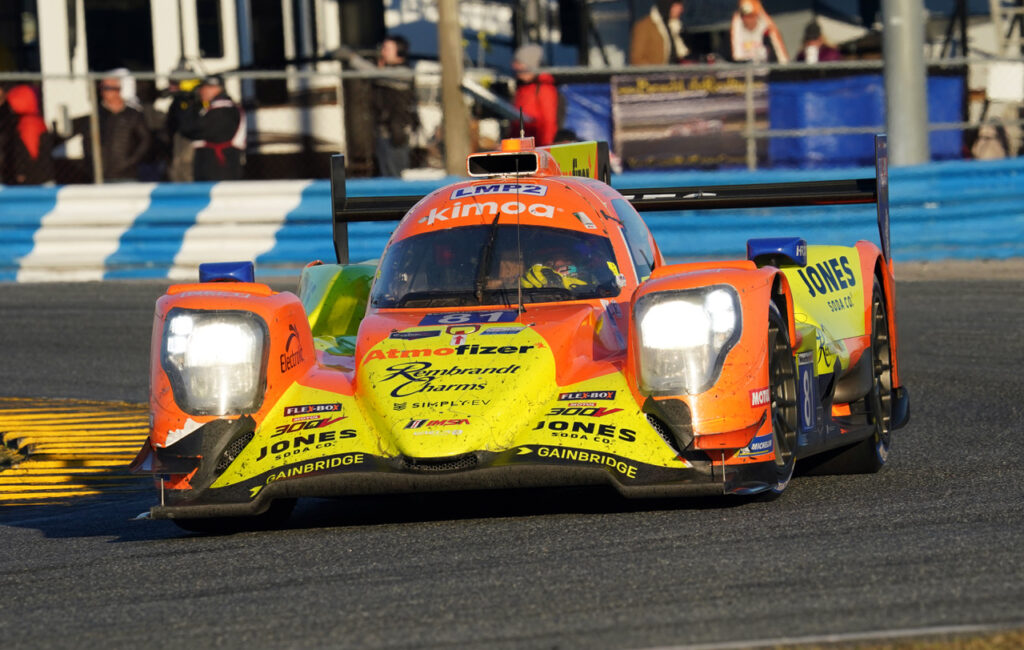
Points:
(216, 126)
(183, 100)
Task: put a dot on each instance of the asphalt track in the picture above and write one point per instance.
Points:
(935, 540)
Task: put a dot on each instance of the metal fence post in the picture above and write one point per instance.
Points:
(94, 132)
(748, 89)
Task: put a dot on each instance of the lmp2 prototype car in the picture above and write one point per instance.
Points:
(522, 329)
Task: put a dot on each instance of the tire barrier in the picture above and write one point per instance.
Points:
(944, 210)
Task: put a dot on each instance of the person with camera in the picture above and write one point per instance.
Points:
(216, 126)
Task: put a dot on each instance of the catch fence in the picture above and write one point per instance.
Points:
(701, 116)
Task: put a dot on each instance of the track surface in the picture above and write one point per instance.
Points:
(935, 539)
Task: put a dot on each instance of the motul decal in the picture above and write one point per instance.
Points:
(760, 397)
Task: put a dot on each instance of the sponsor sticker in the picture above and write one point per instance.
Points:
(462, 329)
(292, 355)
(418, 376)
(807, 391)
(478, 208)
(585, 220)
(419, 424)
(303, 409)
(466, 317)
(582, 456)
(323, 464)
(414, 335)
(586, 430)
(590, 412)
(759, 446)
(760, 397)
(586, 395)
(502, 331)
(525, 189)
(458, 350)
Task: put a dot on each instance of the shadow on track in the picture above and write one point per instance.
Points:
(114, 516)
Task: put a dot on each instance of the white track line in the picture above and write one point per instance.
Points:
(847, 637)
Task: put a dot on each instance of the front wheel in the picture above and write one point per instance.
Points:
(782, 389)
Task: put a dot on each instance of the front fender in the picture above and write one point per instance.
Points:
(734, 409)
(290, 351)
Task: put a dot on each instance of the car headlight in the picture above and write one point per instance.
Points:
(684, 337)
(215, 360)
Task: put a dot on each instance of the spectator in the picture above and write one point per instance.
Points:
(754, 36)
(216, 126)
(536, 95)
(565, 136)
(7, 134)
(124, 138)
(28, 146)
(394, 109)
(991, 142)
(815, 47)
(659, 37)
(183, 99)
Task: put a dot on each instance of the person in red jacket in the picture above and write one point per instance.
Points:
(536, 95)
(27, 152)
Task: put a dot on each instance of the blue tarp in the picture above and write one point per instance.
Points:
(588, 110)
(857, 100)
(852, 101)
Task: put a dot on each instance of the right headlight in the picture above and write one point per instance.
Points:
(215, 360)
(684, 337)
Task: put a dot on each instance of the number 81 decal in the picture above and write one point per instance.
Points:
(464, 317)
(808, 391)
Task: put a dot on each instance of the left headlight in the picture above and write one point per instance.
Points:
(215, 360)
(684, 337)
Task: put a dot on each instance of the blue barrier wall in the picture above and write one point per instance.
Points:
(946, 210)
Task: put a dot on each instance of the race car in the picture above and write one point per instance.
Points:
(522, 329)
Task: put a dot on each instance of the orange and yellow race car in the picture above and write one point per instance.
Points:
(522, 329)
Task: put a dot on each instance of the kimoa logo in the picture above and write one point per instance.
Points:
(487, 208)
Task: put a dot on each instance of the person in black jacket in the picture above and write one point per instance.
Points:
(124, 136)
(394, 109)
(216, 126)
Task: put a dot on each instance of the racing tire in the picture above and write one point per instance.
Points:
(874, 409)
(782, 380)
(274, 517)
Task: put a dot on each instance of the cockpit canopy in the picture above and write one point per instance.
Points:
(492, 264)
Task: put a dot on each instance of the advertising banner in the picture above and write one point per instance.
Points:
(687, 120)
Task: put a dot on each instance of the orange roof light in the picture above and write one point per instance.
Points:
(517, 144)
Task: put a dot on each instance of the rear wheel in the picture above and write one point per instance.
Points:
(782, 388)
(874, 409)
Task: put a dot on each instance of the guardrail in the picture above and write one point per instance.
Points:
(949, 210)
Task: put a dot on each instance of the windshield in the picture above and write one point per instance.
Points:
(479, 265)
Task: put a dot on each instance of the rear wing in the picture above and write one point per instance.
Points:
(875, 190)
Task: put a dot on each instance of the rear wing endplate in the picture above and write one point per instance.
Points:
(864, 190)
